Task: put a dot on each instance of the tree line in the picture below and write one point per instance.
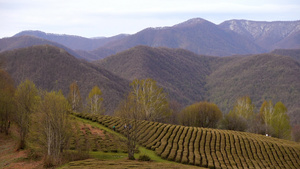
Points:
(147, 101)
(45, 115)
(42, 117)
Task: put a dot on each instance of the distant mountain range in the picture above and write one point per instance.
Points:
(189, 78)
(233, 37)
(176, 57)
(185, 76)
(71, 41)
(268, 35)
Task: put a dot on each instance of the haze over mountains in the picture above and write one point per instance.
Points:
(71, 41)
(234, 37)
(188, 74)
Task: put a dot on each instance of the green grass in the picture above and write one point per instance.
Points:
(218, 148)
(121, 164)
(109, 155)
(152, 155)
(95, 124)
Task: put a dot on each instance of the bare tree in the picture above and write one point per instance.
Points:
(95, 101)
(75, 97)
(130, 115)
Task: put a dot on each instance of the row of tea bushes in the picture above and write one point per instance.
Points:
(211, 148)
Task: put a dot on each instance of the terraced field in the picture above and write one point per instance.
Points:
(210, 148)
(89, 138)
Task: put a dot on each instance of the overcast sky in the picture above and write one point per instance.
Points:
(97, 18)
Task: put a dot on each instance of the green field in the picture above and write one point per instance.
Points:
(210, 148)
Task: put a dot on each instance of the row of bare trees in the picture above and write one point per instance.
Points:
(270, 120)
(42, 117)
(147, 101)
(94, 100)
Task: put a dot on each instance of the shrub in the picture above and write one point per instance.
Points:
(144, 157)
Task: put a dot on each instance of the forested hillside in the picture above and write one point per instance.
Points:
(52, 68)
(189, 78)
(262, 77)
(181, 73)
(294, 53)
(28, 41)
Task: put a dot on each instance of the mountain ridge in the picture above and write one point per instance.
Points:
(18, 42)
(165, 66)
(232, 37)
(52, 68)
(73, 42)
(189, 77)
(268, 35)
(197, 35)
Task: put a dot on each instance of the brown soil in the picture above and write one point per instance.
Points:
(94, 131)
(12, 159)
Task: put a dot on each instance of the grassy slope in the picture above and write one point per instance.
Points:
(121, 164)
(119, 160)
(10, 158)
(142, 150)
(211, 147)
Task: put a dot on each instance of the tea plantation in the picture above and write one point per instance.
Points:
(212, 148)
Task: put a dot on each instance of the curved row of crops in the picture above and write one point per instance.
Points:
(211, 148)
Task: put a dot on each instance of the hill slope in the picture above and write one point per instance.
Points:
(27, 41)
(210, 148)
(52, 68)
(268, 35)
(188, 77)
(181, 73)
(197, 35)
(71, 41)
(294, 53)
(264, 76)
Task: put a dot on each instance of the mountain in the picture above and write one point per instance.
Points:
(262, 77)
(294, 53)
(27, 41)
(189, 78)
(180, 72)
(71, 41)
(52, 68)
(268, 35)
(196, 35)
(232, 37)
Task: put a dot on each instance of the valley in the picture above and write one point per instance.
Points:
(195, 61)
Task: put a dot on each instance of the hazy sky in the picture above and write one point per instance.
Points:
(95, 18)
